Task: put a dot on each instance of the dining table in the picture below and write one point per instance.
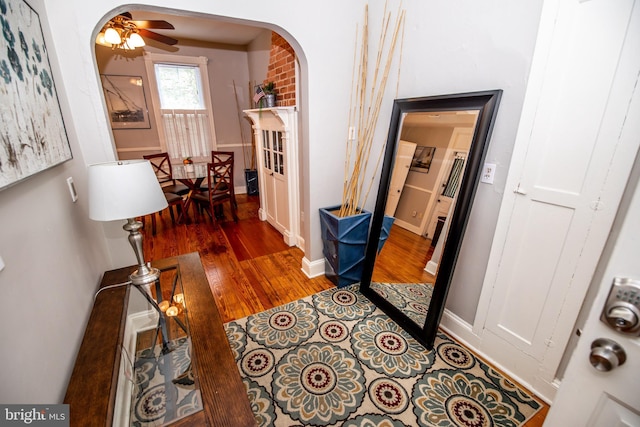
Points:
(192, 175)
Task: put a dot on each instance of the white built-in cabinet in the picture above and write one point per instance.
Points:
(275, 132)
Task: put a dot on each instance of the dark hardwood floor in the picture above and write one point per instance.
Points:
(250, 269)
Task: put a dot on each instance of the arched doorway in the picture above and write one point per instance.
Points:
(237, 55)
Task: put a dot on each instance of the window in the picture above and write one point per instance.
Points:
(180, 93)
(179, 87)
(273, 151)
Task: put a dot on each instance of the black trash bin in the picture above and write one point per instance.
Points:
(251, 176)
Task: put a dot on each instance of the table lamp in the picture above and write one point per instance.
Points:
(125, 190)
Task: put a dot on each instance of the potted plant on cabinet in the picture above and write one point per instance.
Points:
(345, 228)
(270, 94)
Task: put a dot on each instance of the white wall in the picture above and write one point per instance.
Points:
(53, 252)
(54, 258)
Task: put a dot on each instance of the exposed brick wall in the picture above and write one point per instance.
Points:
(282, 71)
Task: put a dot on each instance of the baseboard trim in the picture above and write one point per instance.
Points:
(462, 331)
(431, 267)
(312, 268)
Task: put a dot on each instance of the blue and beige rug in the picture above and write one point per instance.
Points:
(412, 298)
(334, 359)
(165, 388)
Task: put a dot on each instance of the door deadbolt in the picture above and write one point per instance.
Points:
(622, 309)
(606, 354)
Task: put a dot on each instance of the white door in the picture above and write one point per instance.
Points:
(274, 172)
(401, 166)
(610, 398)
(605, 398)
(580, 150)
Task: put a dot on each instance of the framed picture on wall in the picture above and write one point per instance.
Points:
(33, 137)
(422, 159)
(125, 100)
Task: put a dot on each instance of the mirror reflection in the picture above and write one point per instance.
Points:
(432, 165)
(428, 166)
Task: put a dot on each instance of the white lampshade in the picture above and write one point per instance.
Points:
(112, 36)
(124, 189)
(135, 40)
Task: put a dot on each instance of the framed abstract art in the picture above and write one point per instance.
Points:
(33, 136)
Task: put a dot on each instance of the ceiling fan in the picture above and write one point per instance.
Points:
(122, 32)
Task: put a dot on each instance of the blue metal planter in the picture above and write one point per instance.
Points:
(344, 242)
(387, 222)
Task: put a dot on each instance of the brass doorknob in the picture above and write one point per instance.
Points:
(606, 354)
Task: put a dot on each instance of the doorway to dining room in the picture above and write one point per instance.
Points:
(236, 64)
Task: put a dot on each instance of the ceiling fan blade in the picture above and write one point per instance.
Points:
(154, 23)
(157, 37)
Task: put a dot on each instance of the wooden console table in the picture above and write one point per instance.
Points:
(91, 392)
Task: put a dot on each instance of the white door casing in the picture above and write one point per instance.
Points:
(567, 192)
(460, 141)
(401, 166)
(443, 204)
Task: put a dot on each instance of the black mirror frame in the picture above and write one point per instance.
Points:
(486, 103)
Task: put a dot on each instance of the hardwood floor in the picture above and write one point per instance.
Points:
(248, 265)
(403, 257)
(250, 269)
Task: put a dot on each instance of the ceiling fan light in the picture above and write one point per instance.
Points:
(101, 41)
(112, 36)
(135, 40)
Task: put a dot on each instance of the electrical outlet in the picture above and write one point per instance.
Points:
(488, 173)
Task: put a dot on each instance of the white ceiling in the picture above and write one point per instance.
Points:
(463, 118)
(203, 29)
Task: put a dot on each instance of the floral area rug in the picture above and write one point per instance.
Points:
(412, 298)
(165, 388)
(335, 359)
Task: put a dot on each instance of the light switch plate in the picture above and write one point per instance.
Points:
(488, 173)
(72, 189)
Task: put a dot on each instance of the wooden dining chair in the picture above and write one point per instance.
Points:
(173, 200)
(219, 188)
(220, 156)
(162, 168)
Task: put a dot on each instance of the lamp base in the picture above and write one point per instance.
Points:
(143, 276)
(145, 273)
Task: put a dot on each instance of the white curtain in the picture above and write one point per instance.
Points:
(187, 133)
(454, 177)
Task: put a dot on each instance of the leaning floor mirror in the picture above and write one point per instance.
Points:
(432, 165)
